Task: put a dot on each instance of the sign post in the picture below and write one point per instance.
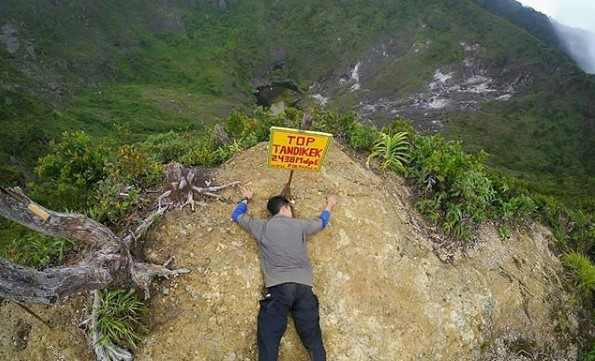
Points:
(294, 149)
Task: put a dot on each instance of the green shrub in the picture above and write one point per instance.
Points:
(132, 164)
(293, 117)
(335, 123)
(574, 229)
(235, 125)
(11, 174)
(474, 191)
(119, 318)
(522, 206)
(203, 151)
(69, 173)
(582, 272)
(249, 141)
(111, 204)
(168, 147)
(590, 355)
(362, 137)
(454, 186)
(59, 196)
(79, 171)
(225, 152)
(261, 123)
(76, 160)
(458, 192)
(430, 208)
(399, 125)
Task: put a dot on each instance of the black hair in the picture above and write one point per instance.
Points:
(275, 204)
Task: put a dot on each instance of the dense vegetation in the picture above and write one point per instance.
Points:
(179, 66)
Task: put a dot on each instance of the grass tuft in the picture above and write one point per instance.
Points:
(119, 318)
(582, 273)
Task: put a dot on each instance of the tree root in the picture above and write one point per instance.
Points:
(143, 273)
(182, 183)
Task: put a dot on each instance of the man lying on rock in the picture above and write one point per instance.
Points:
(287, 274)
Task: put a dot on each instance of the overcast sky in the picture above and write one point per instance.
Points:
(575, 13)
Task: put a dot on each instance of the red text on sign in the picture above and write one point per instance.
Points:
(300, 140)
(308, 152)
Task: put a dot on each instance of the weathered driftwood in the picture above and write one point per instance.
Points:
(106, 261)
(143, 227)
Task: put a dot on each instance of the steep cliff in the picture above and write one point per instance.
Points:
(388, 287)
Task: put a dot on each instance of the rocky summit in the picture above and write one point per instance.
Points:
(388, 290)
(388, 286)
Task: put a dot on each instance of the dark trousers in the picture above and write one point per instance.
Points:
(272, 320)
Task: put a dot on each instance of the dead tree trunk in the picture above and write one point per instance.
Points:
(106, 261)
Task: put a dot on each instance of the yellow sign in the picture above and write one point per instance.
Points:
(298, 149)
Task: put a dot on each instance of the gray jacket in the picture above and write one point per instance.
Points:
(282, 243)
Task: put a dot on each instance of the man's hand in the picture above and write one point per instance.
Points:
(330, 202)
(247, 192)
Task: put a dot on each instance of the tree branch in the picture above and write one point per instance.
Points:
(16, 206)
(216, 188)
(144, 226)
(28, 285)
(143, 273)
(107, 262)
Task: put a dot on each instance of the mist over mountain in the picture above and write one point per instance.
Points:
(580, 44)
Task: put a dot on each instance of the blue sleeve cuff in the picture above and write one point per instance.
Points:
(324, 217)
(240, 209)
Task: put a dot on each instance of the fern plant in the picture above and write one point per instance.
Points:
(393, 151)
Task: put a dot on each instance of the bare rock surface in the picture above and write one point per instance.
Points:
(456, 88)
(385, 292)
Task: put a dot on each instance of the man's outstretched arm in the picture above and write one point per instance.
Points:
(242, 207)
(252, 225)
(326, 214)
(315, 225)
